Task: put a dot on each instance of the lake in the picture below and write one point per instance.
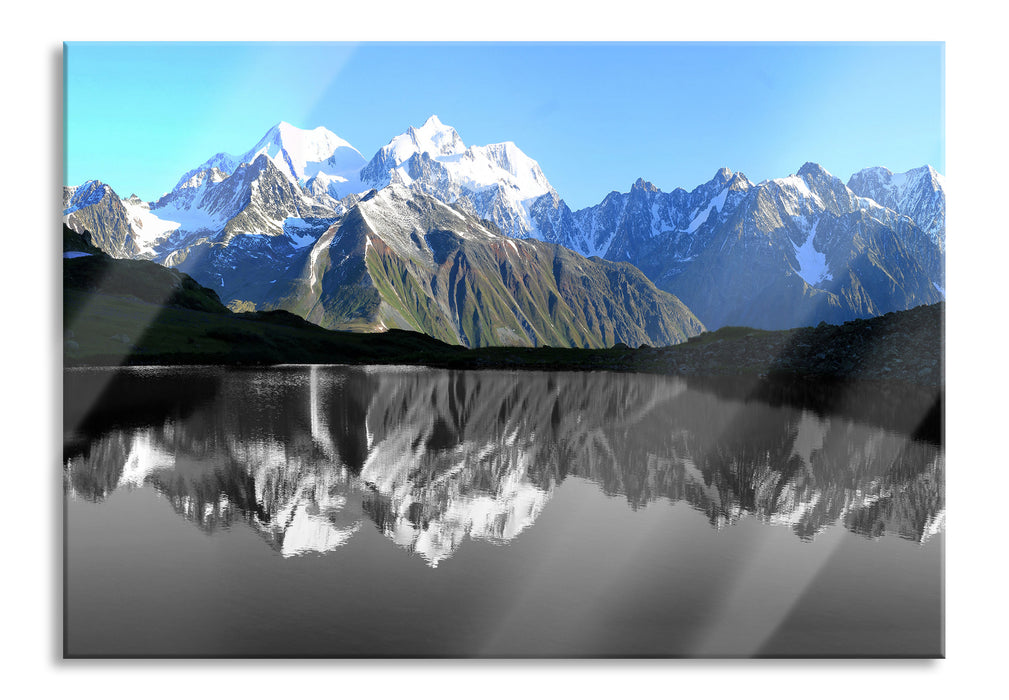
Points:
(405, 511)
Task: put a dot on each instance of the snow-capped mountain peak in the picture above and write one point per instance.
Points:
(502, 163)
(496, 181)
(811, 188)
(919, 193)
(437, 138)
(303, 153)
(810, 169)
(723, 175)
(644, 185)
(432, 137)
(937, 177)
(300, 154)
(880, 178)
(302, 145)
(84, 195)
(199, 178)
(433, 122)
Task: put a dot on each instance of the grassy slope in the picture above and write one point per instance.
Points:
(138, 312)
(172, 335)
(481, 297)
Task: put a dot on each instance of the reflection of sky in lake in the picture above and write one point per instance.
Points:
(317, 460)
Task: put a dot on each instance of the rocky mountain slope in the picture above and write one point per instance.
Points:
(779, 254)
(400, 258)
(497, 182)
(919, 194)
(94, 207)
(302, 155)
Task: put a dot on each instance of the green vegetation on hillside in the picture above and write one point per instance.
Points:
(105, 329)
(480, 295)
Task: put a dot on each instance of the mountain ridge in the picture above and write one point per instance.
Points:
(403, 259)
(736, 252)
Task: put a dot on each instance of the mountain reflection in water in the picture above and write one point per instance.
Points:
(309, 456)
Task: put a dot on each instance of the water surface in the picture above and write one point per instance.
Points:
(347, 511)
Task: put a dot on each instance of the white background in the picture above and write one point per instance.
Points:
(978, 195)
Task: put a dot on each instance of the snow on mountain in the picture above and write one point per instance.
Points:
(432, 137)
(299, 153)
(95, 208)
(303, 154)
(257, 198)
(393, 211)
(919, 193)
(198, 204)
(328, 189)
(717, 204)
(784, 252)
(812, 262)
(289, 174)
(794, 235)
(307, 152)
(624, 224)
(148, 228)
(497, 182)
(83, 195)
(499, 164)
(203, 177)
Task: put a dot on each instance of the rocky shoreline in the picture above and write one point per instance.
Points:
(904, 346)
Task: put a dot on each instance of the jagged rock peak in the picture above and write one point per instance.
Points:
(739, 181)
(813, 170)
(84, 195)
(723, 175)
(880, 175)
(432, 137)
(642, 184)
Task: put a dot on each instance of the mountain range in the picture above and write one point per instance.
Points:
(473, 245)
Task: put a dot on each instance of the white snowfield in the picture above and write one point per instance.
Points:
(471, 172)
(797, 195)
(717, 204)
(148, 228)
(899, 183)
(298, 153)
(812, 263)
(432, 137)
(919, 193)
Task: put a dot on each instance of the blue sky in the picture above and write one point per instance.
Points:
(596, 116)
